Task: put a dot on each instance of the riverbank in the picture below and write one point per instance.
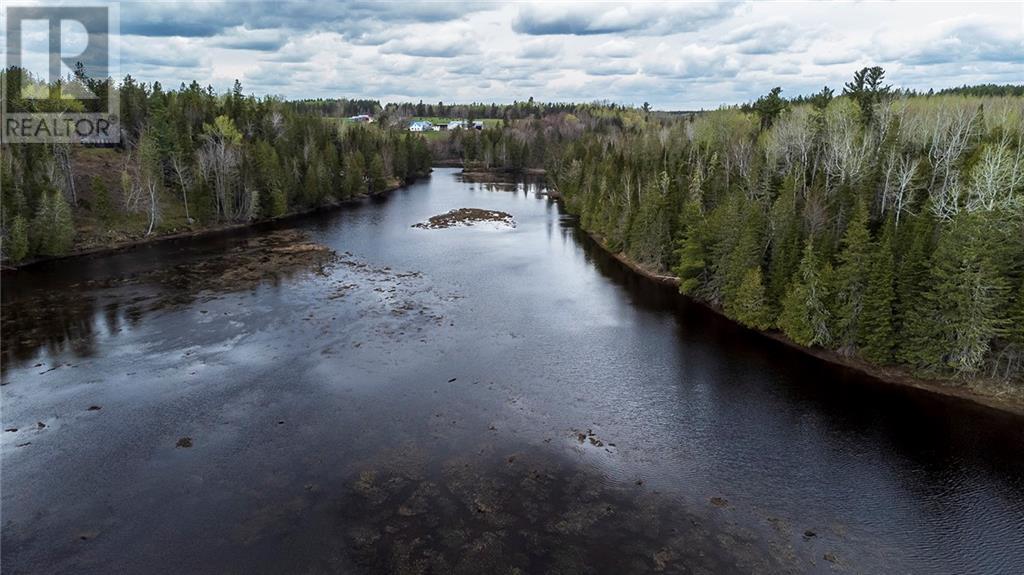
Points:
(209, 231)
(992, 394)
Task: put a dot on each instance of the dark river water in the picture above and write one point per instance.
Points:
(470, 400)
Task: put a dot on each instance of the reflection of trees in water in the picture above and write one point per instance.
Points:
(72, 318)
(64, 321)
(48, 322)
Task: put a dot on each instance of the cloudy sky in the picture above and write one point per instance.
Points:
(675, 55)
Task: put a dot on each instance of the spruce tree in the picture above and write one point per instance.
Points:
(102, 205)
(785, 245)
(962, 308)
(17, 241)
(851, 278)
(877, 337)
(805, 315)
(912, 307)
(743, 230)
(53, 225)
(355, 175)
(750, 305)
(691, 268)
(377, 176)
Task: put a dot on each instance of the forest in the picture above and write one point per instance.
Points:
(189, 159)
(883, 225)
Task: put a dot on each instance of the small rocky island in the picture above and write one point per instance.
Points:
(467, 217)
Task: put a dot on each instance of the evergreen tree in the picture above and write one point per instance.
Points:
(311, 185)
(866, 89)
(692, 252)
(750, 306)
(805, 316)
(962, 308)
(17, 240)
(270, 178)
(742, 229)
(54, 225)
(913, 310)
(851, 278)
(378, 179)
(102, 205)
(355, 175)
(786, 244)
(877, 334)
(769, 107)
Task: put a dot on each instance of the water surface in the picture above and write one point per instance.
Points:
(478, 399)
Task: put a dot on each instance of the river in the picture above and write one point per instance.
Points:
(475, 399)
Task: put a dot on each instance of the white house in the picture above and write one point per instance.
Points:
(456, 124)
(421, 126)
(361, 118)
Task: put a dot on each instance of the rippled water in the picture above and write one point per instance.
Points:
(471, 400)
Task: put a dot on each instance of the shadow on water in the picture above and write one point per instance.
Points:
(379, 420)
(932, 430)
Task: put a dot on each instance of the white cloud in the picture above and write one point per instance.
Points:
(676, 55)
(616, 48)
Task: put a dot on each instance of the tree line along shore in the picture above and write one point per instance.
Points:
(883, 225)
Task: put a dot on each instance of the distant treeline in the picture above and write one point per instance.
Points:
(336, 108)
(985, 90)
(402, 111)
(532, 141)
(877, 224)
(190, 158)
